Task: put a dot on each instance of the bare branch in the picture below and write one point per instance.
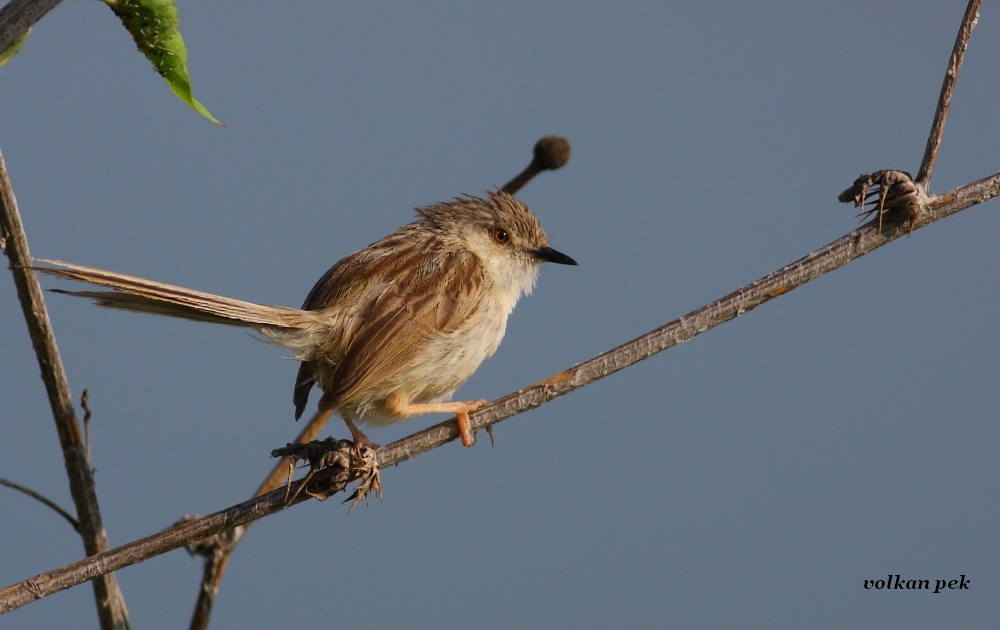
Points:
(187, 532)
(836, 254)
(110, 604)
(52, 504)
(17, 16)
(947, 87)
(217, 557)
(84, 397)
(920, 210)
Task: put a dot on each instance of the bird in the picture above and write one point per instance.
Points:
(393, 329)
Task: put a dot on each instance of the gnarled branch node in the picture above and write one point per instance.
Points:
(332, 465)
(887, 193)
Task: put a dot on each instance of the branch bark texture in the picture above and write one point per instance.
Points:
(836, 254)
(110, 604)
(215, 564)
(863, 240)
(947, 88)
(17, 16)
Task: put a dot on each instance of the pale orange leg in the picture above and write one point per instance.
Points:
(359, 438)
(461, 410)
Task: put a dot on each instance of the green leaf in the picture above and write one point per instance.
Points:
(153, 25)
(14, 48)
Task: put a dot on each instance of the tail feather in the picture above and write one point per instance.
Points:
(137, 294)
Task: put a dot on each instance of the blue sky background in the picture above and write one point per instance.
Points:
(753, 477)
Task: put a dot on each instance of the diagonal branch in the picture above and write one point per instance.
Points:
(947, 87)
(17, 16)
(217, 556)
(837, 254)
(110, 604)
(179, 535)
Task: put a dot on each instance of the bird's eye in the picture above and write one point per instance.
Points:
(501, 236)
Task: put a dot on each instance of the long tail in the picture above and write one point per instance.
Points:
(136, 294)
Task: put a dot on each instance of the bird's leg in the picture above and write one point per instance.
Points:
(461, 410)
(359, 438)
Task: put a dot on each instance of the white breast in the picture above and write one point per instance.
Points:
(450, 359)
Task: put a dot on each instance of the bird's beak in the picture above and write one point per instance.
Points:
(550, 255)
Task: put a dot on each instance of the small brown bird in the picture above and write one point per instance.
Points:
(391, 330)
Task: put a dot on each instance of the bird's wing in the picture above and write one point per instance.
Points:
(431, 294)
(356, 278)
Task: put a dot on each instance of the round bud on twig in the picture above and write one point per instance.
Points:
(550, 153)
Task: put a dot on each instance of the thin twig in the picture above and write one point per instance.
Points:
(837, 254)
(947, 87)
(38, 497)
(17, 16)
(86, 420)
(215, 564)
(110, 604)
